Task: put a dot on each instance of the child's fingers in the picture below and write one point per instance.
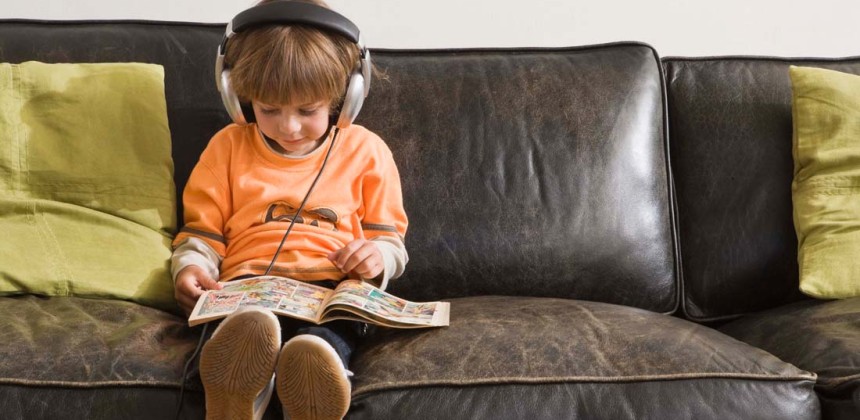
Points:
(358, 262)
(358, 252)
(368, 269)
(367, 262)
(185, 297)
(186, 303)
(207, 283)
(359, 257)
(190, 285)
(343, 255)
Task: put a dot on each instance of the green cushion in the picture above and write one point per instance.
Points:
(87, 204)
(826, 186)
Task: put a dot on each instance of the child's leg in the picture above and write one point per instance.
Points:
(342, 335)
(237, 363)
(312, 373)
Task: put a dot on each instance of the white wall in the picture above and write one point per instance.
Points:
(821, 28)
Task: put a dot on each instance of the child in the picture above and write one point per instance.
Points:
(247, 189)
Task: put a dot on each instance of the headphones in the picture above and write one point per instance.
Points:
(290, 13)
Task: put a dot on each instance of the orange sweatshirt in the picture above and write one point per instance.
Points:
(241, 197)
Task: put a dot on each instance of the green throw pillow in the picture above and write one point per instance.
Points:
(826, 186)
(87, 204)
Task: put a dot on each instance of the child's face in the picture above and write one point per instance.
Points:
(297, 128)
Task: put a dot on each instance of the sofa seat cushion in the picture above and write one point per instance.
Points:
(817, 336)
(517, 357)
(70, 357)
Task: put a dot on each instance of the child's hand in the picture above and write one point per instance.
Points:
(191, 282)
(360, 259)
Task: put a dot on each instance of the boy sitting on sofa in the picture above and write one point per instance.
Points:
(293, 75)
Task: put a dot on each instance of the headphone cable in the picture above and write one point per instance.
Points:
(301, 206)
(271, 264)
(185, 370)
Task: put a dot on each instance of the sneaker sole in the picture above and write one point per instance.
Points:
(237, 363)
(311, 381)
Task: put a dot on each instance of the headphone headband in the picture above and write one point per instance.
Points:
(296, 13)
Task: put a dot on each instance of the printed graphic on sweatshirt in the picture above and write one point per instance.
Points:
(321, 217)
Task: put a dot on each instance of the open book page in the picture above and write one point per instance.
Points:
(281, 295)
(375, 305)
(352, 299)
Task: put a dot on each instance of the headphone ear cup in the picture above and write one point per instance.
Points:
(235, 109)
(352, 100)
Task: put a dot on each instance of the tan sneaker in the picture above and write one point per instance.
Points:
(237, 365)
(311, 380)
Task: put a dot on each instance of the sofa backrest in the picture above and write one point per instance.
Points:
(534, 172)
(531, 172)
(731, 133)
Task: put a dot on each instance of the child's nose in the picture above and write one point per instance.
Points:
(290, 124)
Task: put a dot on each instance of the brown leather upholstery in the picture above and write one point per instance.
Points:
(730, 124)
(818, 336)
(511, 357)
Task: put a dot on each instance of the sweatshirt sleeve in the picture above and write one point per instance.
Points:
(394, 259)
(384, 219)
(207, 204)
(194, 251)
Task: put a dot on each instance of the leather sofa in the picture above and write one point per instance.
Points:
(613, 231)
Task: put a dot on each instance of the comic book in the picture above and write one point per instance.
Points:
(351, 299)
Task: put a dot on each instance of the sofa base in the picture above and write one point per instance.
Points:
(103, 403)
(716, 399)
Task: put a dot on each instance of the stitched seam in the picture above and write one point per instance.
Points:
(830, 179)
(77, 384)
(380, 227)
(585, 379)
(834, 383)
(383, 228)
(163, 197)
(43, 239)
(22, 151)
(830, 191)
(222, 182)
(277, 269)
(197, 232)
(65, 275)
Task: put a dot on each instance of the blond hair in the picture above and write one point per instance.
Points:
(278, 64)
